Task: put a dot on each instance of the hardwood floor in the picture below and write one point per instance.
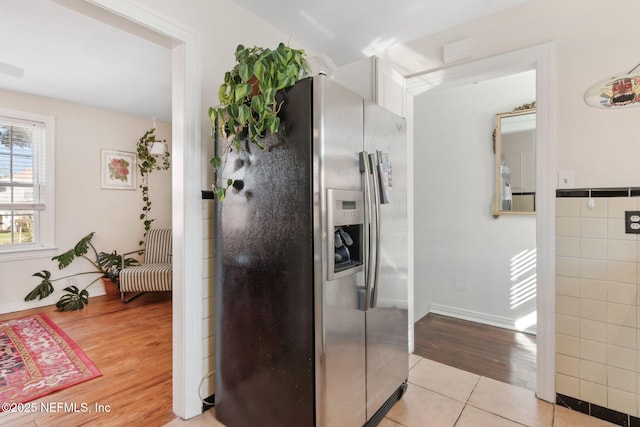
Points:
(131, 345)
(496, 353)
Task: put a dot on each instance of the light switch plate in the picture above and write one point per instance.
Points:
(566, 179)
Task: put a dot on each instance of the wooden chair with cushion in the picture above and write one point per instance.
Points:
(154, 274)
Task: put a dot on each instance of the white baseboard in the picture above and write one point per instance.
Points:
(14, 307)
(474, 316)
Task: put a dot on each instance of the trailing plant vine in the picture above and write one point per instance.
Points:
(248, 104)
(147, 163)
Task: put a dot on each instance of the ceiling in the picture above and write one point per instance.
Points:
(65, 54)
(353, 29)
(52, 48)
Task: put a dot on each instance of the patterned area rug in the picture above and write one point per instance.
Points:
(38, 358)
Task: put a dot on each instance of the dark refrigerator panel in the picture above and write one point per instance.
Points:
(264, 272)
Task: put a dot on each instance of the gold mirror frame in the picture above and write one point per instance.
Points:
(505, 200)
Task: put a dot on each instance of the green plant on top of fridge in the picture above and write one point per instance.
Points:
(248, 105)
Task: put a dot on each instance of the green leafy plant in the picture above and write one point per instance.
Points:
(107, 265)
(147, 163)
(248, 104)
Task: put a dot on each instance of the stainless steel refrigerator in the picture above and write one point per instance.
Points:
(311, 267)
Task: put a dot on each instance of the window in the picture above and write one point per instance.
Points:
(26, 183)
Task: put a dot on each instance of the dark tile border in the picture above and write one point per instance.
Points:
(599, 192)
(572, 403)
(597, 411)
(208, 195)
(572, 193)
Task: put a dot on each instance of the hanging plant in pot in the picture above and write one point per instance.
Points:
(148, 161)
(248, 103)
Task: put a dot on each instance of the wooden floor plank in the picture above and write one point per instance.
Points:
(496, 353)
(131, 345)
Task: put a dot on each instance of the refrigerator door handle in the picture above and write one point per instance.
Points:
(365, 170)
(376, 209)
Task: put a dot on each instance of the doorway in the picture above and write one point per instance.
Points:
(540, 60)
(186, 182)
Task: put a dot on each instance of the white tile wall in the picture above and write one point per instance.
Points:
(208, 300)
(597, 300)
(568, 385)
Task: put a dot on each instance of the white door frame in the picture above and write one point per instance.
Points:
(186, 203)
(542, 59)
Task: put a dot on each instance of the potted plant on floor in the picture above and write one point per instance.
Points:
(249, 105)
(106, 265)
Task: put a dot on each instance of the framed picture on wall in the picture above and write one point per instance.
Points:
(118, 170)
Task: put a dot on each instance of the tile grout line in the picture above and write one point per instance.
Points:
(487, 411)
(466, 402)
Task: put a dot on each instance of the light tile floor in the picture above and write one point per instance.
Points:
(442, 396)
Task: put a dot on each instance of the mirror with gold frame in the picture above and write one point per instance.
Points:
(515, 162)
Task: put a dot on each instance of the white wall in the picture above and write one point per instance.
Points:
(463, 254)
(221, 26)
(82, 206)
(599, 145)
(375, 80)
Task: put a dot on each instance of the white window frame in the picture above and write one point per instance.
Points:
(44, 244)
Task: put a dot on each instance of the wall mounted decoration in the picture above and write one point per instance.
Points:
(117, 170)
(514, 145)
(616, 92)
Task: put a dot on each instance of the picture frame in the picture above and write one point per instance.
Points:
(118, 170)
